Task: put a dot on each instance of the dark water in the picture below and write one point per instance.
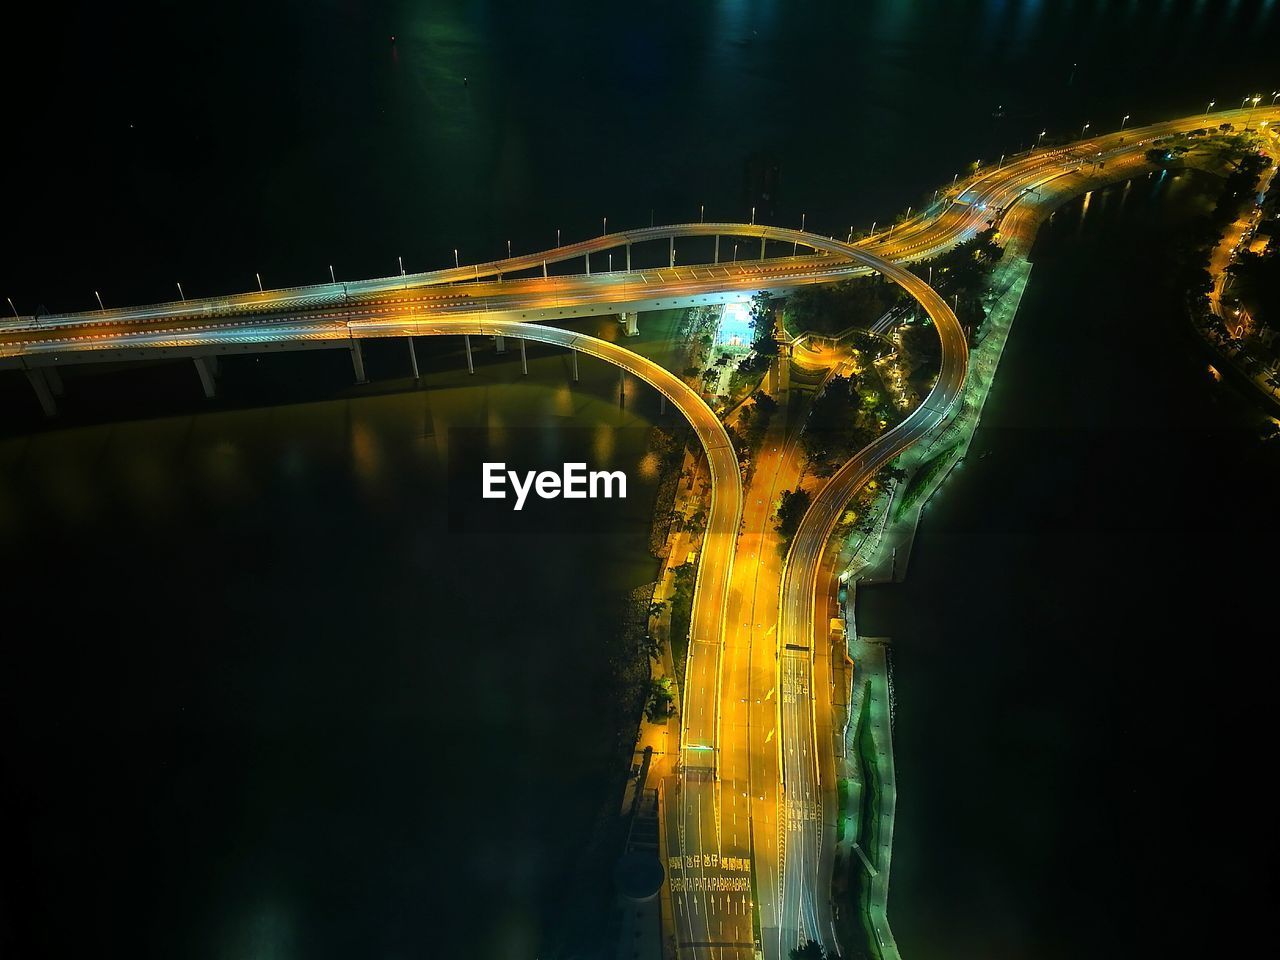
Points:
(200, 143)
(1082, 654)
(261, 700)
(240, 719)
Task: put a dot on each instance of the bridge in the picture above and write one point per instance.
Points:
(749, 812)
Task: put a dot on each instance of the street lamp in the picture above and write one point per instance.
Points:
(1244, 101)
(1273, 97)
(557, 236)
(1084, 128)
(604, 226)
(400, 260)
(181, 296)
(332, 278)
(1253, 103)
(1209, 107)
(99, 296)
(11, 306)
(1124, 121)
(455, 258)
(259, 276)
(702, 213)
(1041, 137)
(508, 249)
(753, 215)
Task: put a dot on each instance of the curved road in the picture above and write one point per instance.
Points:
(717, 914)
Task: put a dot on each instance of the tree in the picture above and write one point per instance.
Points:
(764, 344)
(791, 510)
(661, 700)
(812, 950)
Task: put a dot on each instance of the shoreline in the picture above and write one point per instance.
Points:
(883, 556)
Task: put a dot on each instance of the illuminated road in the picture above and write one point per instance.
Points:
(805, 910)
(802, 629)
(733, 834)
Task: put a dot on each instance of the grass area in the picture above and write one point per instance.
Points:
(851, 878)
(682, 614)
(922, 480)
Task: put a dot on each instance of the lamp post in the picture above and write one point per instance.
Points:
(11, 306)
(1123, 121)
(604, 226)
(1209, 107)
(332, 278)
(99, 296)
(1041, 137)
(753, 215)
(259, 276)
(1083, 129)
(508, 249)
(400, 260)
(455, 258)
(181, 296)
(702, 213)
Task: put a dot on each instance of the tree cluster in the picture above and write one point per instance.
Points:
(840, 424)
(791, 510)
(832, 308)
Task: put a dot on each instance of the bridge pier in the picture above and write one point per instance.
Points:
(524, 359)
(54, 379)
(662, 404)
(588, 263)
(38, 383)
(499, 344)
(671, 259)
(466, 341)
(205, 371)
(575, 364)
(628, 258)
(631, 319)
(717, 257)
(762, 248)
(413, 358)
(357, 361)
